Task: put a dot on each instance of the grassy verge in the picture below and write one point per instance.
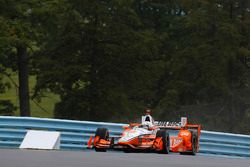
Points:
(44, 108)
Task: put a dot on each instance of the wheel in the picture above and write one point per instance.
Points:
(194, 145)
(165, 139)
(103, 133)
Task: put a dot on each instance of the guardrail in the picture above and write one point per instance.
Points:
(75, 134)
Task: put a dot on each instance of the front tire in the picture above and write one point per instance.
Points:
(103, 133)
(165, 139)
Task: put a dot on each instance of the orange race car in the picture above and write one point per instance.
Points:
(149, 136)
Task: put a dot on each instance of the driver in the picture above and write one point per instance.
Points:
(148, 117)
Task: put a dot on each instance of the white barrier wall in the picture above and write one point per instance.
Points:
(35, 139)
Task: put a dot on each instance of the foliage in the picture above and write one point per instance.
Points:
(109, 59)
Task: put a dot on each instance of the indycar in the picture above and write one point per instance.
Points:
(150, 137)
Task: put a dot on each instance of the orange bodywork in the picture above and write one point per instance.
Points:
(182, 142)
(158, 144)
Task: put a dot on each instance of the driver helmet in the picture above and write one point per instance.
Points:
(147, 111)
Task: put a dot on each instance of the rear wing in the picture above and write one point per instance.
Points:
(178, 125)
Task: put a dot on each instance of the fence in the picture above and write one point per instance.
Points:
(75, 134)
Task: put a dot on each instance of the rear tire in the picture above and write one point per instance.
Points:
(194, 144)
(103, 133)
(165, 139)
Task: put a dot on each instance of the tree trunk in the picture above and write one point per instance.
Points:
(23, 80)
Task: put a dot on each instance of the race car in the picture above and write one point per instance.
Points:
(150, 137)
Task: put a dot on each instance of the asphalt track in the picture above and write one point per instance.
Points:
(38, 158)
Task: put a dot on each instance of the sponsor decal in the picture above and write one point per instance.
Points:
(185, 133)
(128, 135)
(175, 142)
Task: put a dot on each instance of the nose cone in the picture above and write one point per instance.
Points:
(128, 141)
(128, 136)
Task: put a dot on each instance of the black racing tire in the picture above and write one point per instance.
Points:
(194, 144)
(103, 133)
(165, 139)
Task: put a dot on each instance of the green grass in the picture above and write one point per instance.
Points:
(46, 104)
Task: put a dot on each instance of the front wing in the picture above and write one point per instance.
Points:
(112, 143)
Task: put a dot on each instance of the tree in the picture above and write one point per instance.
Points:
(20, 38)
(109, 59)
(206, 64)
(6, 107)
(96, 59)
